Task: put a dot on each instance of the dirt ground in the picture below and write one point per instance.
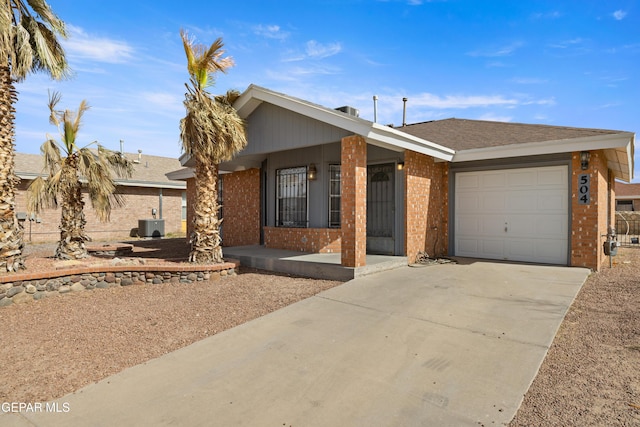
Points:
(591, 375)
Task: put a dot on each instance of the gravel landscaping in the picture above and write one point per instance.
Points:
(51, 347)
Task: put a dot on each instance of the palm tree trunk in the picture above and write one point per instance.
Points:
(11, 242)
(72, 222)
(205, 238)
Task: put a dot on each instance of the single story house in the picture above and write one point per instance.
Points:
(627, 197)
(317, 179)
(148, 194)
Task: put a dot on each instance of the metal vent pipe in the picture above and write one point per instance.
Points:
(375, 108)
(404, 111)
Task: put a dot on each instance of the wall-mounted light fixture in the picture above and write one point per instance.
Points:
(312, 173)
(400, 166)
(584, 159)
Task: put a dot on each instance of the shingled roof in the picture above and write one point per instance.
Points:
(148, 171)
(463, 134)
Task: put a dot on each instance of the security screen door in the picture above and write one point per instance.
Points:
(380, 209)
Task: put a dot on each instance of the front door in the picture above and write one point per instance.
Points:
(380, 209)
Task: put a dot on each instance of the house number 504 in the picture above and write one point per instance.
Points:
(584, 189)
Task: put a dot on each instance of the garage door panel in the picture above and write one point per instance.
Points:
(468, 182)
(525, 178)
(491, 202)
(493, 180)
(469, 226)
(515, 214)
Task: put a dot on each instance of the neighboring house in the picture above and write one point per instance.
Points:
(147, 190)
(627, 197)
(316, 179)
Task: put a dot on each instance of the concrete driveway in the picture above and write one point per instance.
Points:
(438, 345)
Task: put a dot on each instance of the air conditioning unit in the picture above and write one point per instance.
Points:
(349, 110)
(151, 227)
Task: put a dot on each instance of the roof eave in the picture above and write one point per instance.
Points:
(621, 144)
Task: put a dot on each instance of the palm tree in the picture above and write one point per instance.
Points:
(28, 43)
(64, 180)
(211, 132)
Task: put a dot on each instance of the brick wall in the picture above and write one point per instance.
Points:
(241, 208)
(426, 205)
(139, 202)
(313, 240)
(589, 222)
(354, 201)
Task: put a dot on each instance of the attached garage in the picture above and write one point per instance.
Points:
(519, 214)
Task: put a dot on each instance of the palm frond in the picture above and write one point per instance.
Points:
(122, 166)
(44, 12)
(40, 196)
(51, 154)
(29, 39)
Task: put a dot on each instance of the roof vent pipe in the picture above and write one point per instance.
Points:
(122, 146)
(375, 108)
(404, 111)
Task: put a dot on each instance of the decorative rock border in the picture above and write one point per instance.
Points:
(111, 250)
(23, 287)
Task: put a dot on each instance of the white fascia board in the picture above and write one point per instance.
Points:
(181, 174)
(399, 141)
(150, 184)
(622, 143)
(599, 142)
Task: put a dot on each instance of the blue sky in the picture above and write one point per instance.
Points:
(568, 63)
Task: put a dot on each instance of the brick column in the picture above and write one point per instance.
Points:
(426, 206)
(353, 196)
(589, 222)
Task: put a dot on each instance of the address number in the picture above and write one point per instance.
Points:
(584, 189)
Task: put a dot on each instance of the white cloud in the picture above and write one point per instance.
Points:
(270, 32)
(547, 15)
(86, 46)
(461, 101)
(494, 117)
(568, 43)
(318, 51)
(619, 15)
(529, 80)
(496, 52)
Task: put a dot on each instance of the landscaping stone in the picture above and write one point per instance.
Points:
(22, 297)
(30, 289)
(64, 289)
(126, 281)
(14, 291)
(102, 284)
(53, 285)
(77, 287)
(157, 280)
(40, 295)
(5, 302)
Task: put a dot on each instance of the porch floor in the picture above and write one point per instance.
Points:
(319, 266)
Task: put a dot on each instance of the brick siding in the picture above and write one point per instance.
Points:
(313, 240)
(426, 205)
(241, 208)
(139, 202)
(589, 222)
(354, 201)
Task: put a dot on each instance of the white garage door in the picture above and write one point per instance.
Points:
(513, 214)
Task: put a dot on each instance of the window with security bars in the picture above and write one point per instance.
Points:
(291, 195)
(334, 196)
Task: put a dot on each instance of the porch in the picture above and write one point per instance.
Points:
(316, 265)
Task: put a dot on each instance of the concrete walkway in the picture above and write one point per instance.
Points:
(445, 345)
(316, 265)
